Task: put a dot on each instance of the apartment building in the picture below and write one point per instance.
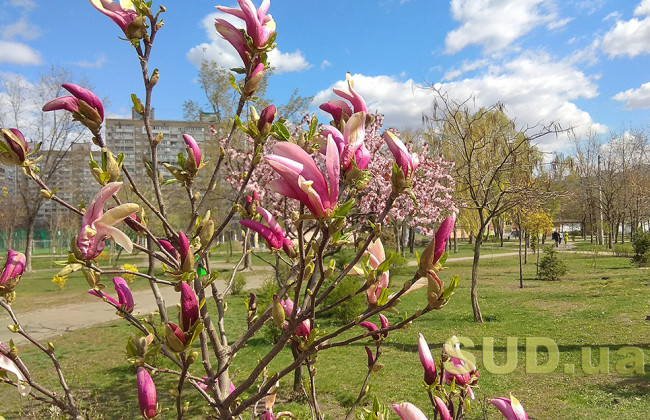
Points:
(128, 136)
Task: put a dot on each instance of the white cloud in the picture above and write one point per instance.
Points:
(495, 24)
(21, 29)
(557, 24)
(635, 98)
(464, 68)
(535, 90)
(631, 37)
(402, 103)
(23, 4)
(220, 51)
(98, 63)
(18, 53)
(325, 64)
(615, 15)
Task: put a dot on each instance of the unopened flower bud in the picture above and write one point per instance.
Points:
(277, 311)
(137, 29)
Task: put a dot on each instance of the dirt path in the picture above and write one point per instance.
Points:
(57, 321)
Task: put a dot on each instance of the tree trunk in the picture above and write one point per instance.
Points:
(537, 263)
(474, 292)
(526, 245)
(29, 243)
(10, 239)
(412, 240)
(521, 270)
(471, 238)
(455, 242)
(398, 238)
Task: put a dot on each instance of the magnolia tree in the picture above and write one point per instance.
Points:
(322, 171)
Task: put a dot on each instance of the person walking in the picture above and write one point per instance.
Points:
(556, 238)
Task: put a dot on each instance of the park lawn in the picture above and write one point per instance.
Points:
(587, 309)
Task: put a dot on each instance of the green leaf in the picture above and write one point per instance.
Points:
(120, 158)
(181, 160)
(169, 181)
(385, 265)
(450, 289)
(345, 208)
(443, 258)
(313, 125)
(383, 297)
(233, 81)
(280, 131)
(238, 70)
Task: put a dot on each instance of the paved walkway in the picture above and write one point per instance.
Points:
(56, 321)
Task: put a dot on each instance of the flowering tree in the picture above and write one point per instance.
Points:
(321, 171)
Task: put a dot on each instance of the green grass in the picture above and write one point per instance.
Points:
(586, 309)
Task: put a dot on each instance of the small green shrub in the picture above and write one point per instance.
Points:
(623, 250)
(351, 308)
(551, 267)
(238, 284)
(641, 246)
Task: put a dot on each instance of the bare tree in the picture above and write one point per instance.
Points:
(494, 162)
(56, 132)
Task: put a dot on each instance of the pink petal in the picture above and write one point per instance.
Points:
(407, 411)
(146, 394)
(86, 96)
(123, 293)
(333, 171)
(68, 103)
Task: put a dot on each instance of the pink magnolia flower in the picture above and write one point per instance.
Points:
(234, 37)
(146, 394)
(407, 411)
(194, 154)
(339, 109)
(510, 408)
(442, 408)
(273, 234)
(71, 103)
(266, 119)
(259, 25)
(304, 328)
(377, 256)
(372, 328)
(350, 143)
(122, 14)
(436, 247)
(13, 269)
(8, 365)
(302, 179)
(97, 226)
(371, 357)
(464, 372)
(169, 248)
(426, 359)
(15, 148)
(406, 161)
(124, 296)
(185, 253)
(189, 306)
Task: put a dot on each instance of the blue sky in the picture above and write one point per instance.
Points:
(583, 63)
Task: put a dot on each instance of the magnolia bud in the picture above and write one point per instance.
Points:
(137, 29)
(277, 311)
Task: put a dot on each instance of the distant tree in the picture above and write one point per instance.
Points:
(55, 131)
(191, 110)
(494, 161)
